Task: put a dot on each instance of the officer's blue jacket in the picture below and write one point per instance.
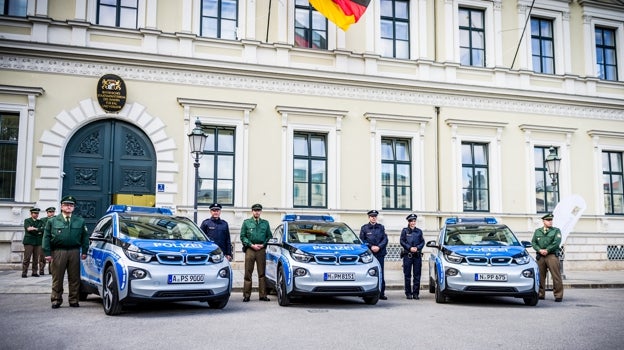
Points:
(412, 238)
(218, 231)
(375, 235)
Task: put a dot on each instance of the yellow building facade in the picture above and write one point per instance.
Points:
(450, 112)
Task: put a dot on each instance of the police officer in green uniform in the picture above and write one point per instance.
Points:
(64, 237)
(546, 242)
(50, 211)
(255, 233)
(33, 235)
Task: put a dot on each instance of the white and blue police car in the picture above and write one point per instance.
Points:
(140, 254)
(312, 255)
(479, 256)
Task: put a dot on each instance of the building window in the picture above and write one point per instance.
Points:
(216, 171)
(472, 37)
(9, 130)
(613, 175)
(310, 26)
(606, 58)
(542, 45)
(395, 28)
(475, 177)
(544, 195)
(309, 170)
(396, 170)
(219, 18)
(13, 7)
(118, 13)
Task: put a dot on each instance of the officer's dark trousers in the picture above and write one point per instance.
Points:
(551, 263)
(383, 275)
(412, 266)
(258, 258)
(65, 260)
(30, 251)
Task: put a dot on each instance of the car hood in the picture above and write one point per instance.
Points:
(472, 250)
(191, 247)
(333, 248)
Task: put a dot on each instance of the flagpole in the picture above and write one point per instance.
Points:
(268, 21)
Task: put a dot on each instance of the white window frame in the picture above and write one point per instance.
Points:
(288, 34)
(145, 17)
(603, 141)
(492, 31)
(590, 30)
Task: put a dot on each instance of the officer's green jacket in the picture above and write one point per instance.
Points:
(59, 235)
(252, 233)
(33, 237)
(549, 240)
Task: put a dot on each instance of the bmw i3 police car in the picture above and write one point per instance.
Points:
(479, 256)
(313, 255)
(141, 254)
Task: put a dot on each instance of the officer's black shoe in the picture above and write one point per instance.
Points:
(409, 296)
(74, 305)
(558, 300)
(35, 275)
(541, 298)
(56, 305)
(416, 297)
(24, 275)
(245, 299)
(265, 299)
(383, 297)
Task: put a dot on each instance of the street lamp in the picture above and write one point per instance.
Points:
(197, 141)
(553, 161)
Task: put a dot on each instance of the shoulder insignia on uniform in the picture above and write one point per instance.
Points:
(559, 235)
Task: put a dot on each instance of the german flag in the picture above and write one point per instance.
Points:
(342, 12)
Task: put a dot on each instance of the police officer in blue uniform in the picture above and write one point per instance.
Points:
(218, 230)
(412, 241)
(374, 236)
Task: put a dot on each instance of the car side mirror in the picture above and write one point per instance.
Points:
(527, 244)
(272, 241)
(97, 236)
(432, 244)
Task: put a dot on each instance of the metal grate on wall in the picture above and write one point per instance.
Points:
(394, 251)
(615, 252)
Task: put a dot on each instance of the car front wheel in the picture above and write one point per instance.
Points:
(440, 298)
(219, 303)
(282, 295)
(532, 300)
(110, 295)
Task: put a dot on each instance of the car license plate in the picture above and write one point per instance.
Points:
(185, 278)
(339, 276)
(495, 277)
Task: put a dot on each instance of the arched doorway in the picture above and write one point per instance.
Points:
(106, 162)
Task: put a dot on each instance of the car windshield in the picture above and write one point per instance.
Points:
(321, 232)
(480, 235)
(160, 228)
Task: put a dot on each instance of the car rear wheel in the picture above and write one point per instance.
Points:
(219, 303)
(532, 300)
(371, 300)
(282, 295)
(440, 298)
(110, 295)
(432, 287)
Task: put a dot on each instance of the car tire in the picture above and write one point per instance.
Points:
(532, 300)
(110, 295)
(432, 287)
(440, 298)
(218, 303)
(371, 300)
(282, 295)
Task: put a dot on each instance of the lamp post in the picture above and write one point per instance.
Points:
(552, 162)
(197, 141)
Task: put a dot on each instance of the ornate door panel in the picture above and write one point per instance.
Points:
(105, 159)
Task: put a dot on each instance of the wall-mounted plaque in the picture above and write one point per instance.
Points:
(111, 93)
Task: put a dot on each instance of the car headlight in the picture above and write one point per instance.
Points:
(134, 253)
(454, 258)
(366, 257)
(300, 256)
(522, 259)
(216, 256)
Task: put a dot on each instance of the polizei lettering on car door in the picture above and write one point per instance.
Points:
(177, 245)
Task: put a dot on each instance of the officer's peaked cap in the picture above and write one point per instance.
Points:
(51, 209)
(256, 207)
(215, 206)
(411, 217)
(68, 200)
(548, 216)
(34, 210)
(373, 212)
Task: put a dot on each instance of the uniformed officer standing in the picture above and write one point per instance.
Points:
(374, 236)
(218, 230)
(50, 211)
(64, 237)
(254, 235)
(546, 242)
(33, 235)
(412, 241)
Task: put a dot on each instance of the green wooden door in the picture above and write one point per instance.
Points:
(104, 159)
